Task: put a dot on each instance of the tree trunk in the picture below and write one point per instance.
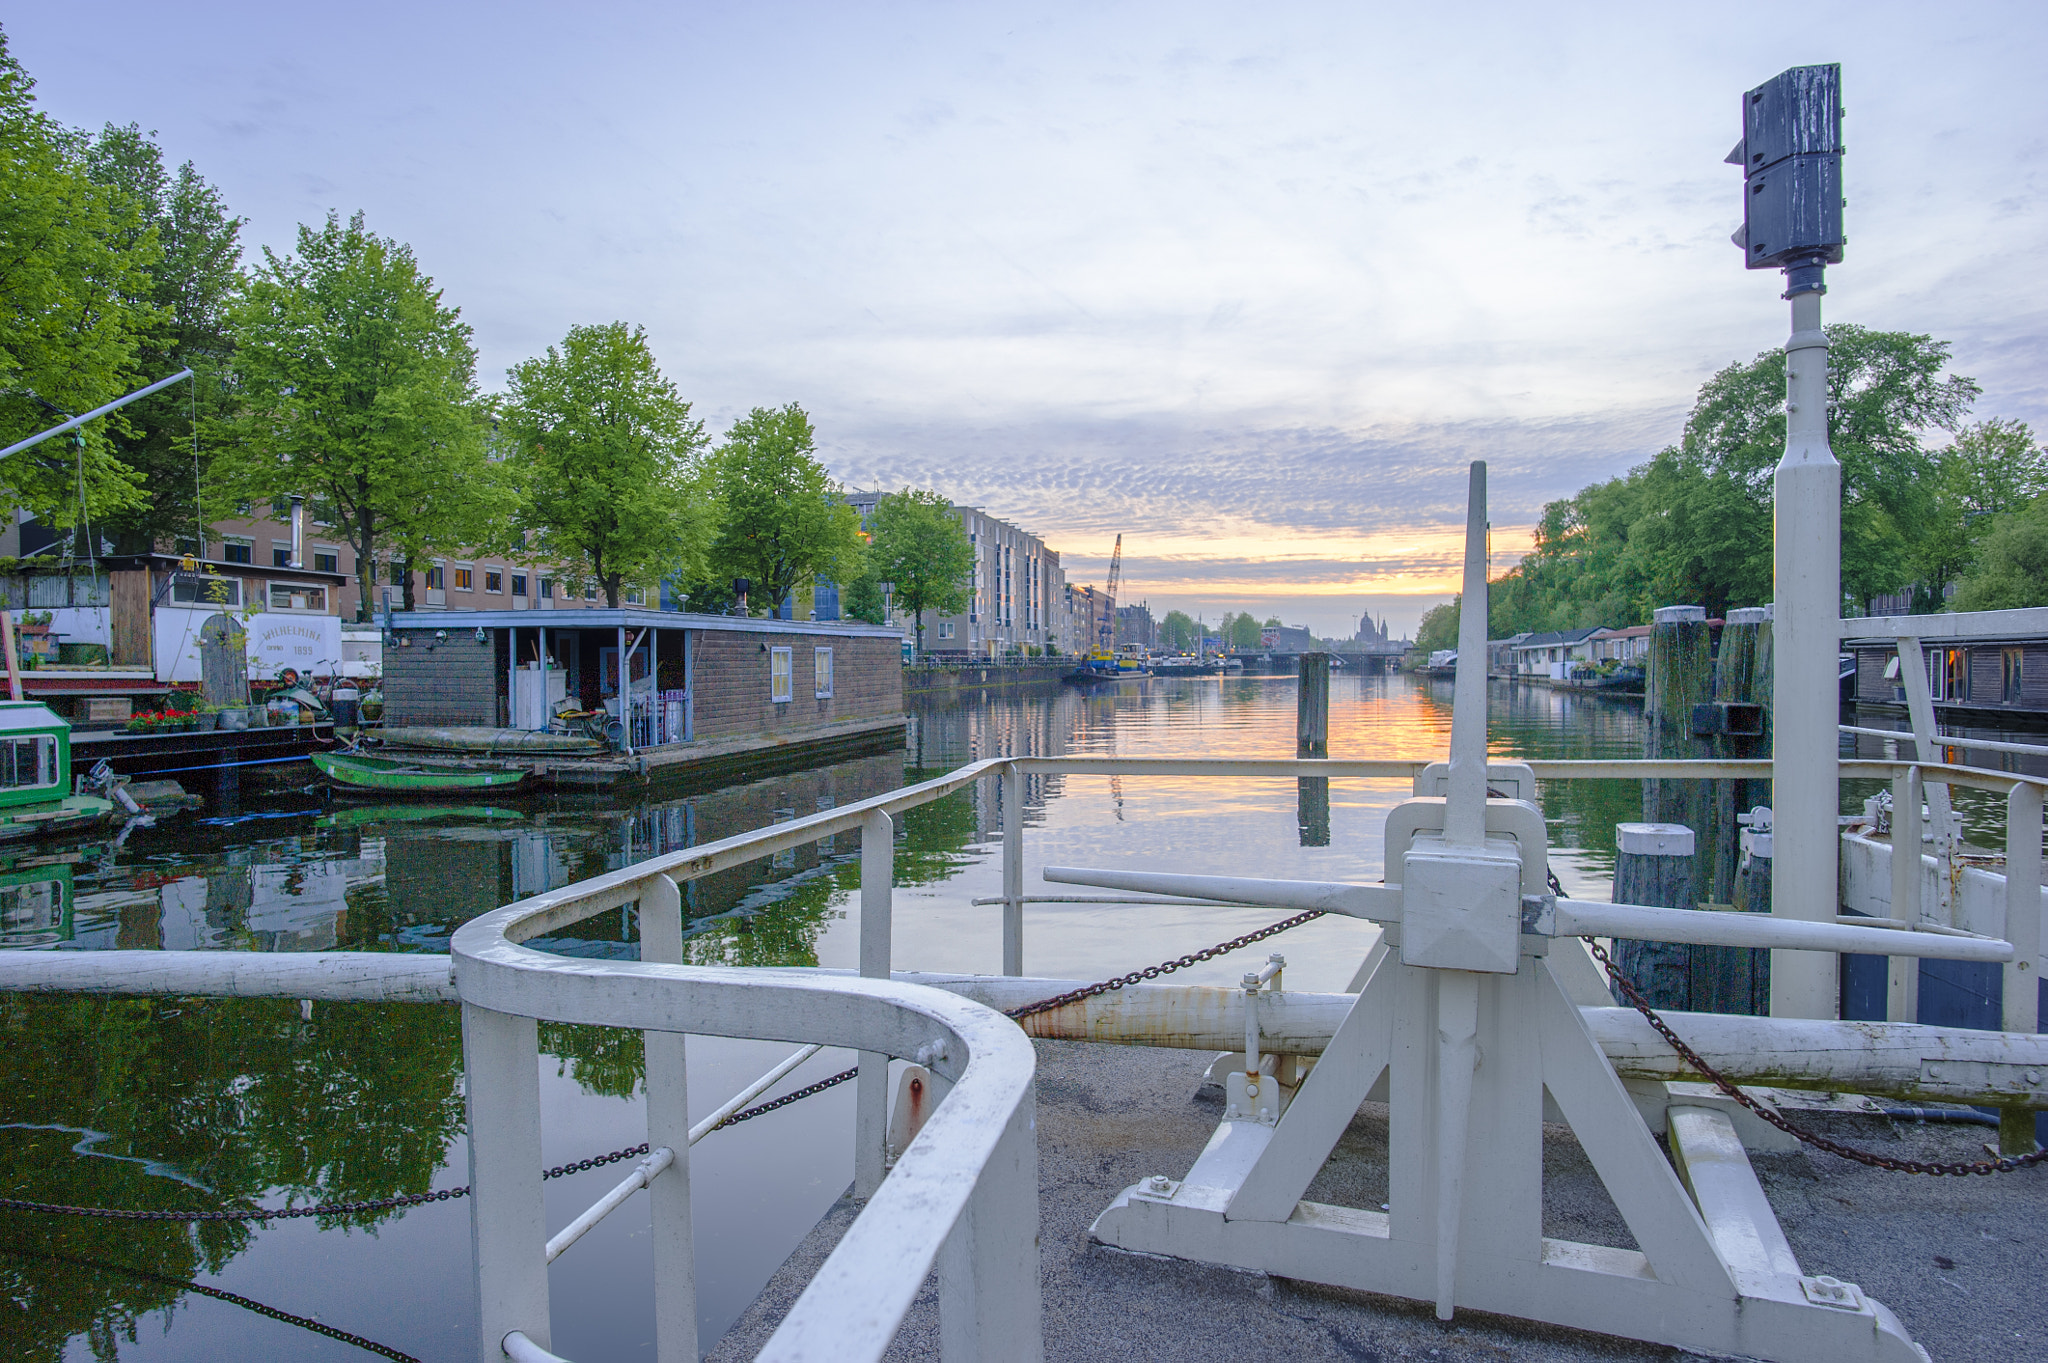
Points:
(405, 580)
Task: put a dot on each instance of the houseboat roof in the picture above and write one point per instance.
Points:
(1632, 632)
(29, 716)
(632, 617)
(1559, 636)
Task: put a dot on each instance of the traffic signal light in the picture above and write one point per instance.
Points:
(1791, 159)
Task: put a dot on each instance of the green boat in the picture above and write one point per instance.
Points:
(354, 773)
(35, 777)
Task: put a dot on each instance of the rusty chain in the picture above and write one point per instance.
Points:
(2002, 1165)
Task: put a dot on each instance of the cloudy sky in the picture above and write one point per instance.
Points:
(1246, 283)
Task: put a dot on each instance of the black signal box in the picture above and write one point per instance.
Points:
(1791, 159)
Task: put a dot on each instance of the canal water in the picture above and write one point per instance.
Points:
(184, 1103)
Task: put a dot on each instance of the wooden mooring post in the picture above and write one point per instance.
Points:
(1312, 739)
(1654, 865)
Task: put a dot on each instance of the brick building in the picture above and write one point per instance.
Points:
(1017, 596)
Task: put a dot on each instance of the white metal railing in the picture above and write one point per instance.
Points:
(963, 1196)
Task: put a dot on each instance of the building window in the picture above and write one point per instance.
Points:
(294, 596)
(632, 596)
(244, 507)
(519, 584)
(781, 679)
(945, 629)
(821, 667)
(590, 589)
(186, 548)
(237, 551)
(326, 561)
(494, 579)
(547, 589)
(2011, 671)
(465, 579)
(191, 589)
(437, 577)
(280, 555)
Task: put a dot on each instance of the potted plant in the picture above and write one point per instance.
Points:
(205, 716)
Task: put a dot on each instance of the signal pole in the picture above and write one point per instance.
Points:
(1791, 156)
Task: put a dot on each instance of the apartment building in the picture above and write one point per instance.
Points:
(1017, 597)
(263, 536)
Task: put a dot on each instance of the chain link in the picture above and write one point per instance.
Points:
(2002, 1165)
(218, 1294)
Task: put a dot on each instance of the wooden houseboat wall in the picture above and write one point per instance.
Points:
(1992, 677)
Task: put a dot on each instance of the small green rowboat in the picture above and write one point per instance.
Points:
(396, 776)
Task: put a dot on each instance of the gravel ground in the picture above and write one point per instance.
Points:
(1961, 1260)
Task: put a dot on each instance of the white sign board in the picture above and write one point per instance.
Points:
(311, 643)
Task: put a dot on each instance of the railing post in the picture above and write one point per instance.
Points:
(988, 1270)
(668, 1124)
(1013, 870)
(508, 1216)
(1902, 978)
(871, 1089)
(2022, 996)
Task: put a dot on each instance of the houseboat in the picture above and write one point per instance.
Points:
(1968, 679)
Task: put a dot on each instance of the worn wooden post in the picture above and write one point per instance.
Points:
(1312, 739)
(1654, 865)
(1679, 676)
(1738, 979)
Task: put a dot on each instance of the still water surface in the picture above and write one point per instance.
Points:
(194, 1103)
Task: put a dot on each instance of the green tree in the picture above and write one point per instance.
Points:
(1239, 631)
(74, 264)
(608, 460)
(188, 289)
(1439, 627)
(2012, 568)
(920, 547)
(782, 522)
(358, 388)
(1179, 632)
(1991, 469)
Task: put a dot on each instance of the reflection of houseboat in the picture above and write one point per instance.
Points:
(1977, 677)
(35, 906)
(35, 777)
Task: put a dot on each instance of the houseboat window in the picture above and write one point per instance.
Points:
(519, 584)
(280, 555)
(437, 577)
(821, 664)
(326, 561)
(1956, 666)
(780, 679)
(237, 551)
(547, 589)
(2011, 669)
(465, 579)
(28, 761)
(290, 596)
(494, 579)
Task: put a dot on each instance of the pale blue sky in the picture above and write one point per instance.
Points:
(1247, 283)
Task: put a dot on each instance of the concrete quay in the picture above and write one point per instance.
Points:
(1959, 1259)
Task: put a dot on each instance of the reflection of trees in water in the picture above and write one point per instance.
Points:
(608, 1061)
(206, 1104)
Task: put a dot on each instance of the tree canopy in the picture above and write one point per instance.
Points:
(357, 386)
(1179, 632)
(607, 459)
(75, 256)
(782, 523)
(919, 547)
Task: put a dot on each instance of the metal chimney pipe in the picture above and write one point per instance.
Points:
(298, 531)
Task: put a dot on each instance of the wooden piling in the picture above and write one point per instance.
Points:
(1679, 676)
(1312, 707)
(1312, 739)
(1654, 864)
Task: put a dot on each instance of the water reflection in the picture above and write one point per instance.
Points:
(254, 1101)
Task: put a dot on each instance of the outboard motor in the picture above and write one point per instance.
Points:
(347, 707)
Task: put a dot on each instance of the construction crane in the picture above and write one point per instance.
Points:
(1105, 633)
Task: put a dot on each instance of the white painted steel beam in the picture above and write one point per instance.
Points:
(1379, 902)
(717, 1115)
(1884, 629)
(1589, 918)
(644, 1173)
(323, 976)
(1715, 1167)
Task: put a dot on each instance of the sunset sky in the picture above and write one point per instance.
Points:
(1249, 284)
